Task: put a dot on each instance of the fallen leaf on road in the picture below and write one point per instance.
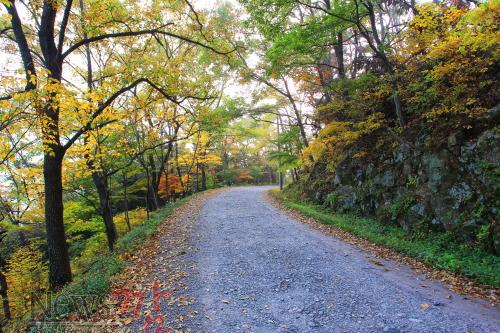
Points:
(128, 321)
(424, 305)
(225, 301)
(458, 284)
(376, 262)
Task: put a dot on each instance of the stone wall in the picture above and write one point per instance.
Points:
(451, 185)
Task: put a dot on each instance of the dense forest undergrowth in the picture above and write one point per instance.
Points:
(111, 110)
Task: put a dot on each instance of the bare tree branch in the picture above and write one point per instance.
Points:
(24, 49)
(139, 33)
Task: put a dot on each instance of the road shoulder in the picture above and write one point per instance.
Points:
(457, 286)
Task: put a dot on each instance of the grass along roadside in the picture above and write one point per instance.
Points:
(437, 250)
(92, 286)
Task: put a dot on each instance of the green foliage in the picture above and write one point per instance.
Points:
(13, 238)
(228, 176)
(492, 172)
(82, 222)
(256, 171)
(332, 199)
(270, 17)
(139, 234)
(300, 45)
(284, 160)
(400, 206)
(483, 234)
(357, 98)
(287, 158)
(438, 249)
(88, 250)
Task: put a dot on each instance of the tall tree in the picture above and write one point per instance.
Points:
(44, 83)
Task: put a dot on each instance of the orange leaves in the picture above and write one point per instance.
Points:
(244, 176)
(169, 186)
(424, 306)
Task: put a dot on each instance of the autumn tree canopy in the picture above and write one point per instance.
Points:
(111, 109)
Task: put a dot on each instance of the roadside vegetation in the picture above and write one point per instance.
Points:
(438, 249)
(96, 268)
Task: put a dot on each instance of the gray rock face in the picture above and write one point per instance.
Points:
(434, 167)
(454, 187)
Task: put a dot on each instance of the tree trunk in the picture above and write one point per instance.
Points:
(397, 104)
(166, 189)
(197, 178)
(355, 60)
(164, 161)
(177, 167)
(324, 82)
(339, 55)
(298, 116)
(150, 201)
(280, 175)
(203, 178)
(155, 179)
(59, 265)
(379, 49)
(100, 180)
(101, 184)
(149, 204)
(5, 297)
(125, 198)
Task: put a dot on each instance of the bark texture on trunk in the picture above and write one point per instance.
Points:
(57, 249)
(101, 184)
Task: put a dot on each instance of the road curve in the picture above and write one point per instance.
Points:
(253, 269)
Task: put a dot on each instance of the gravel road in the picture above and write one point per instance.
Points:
(253, 269)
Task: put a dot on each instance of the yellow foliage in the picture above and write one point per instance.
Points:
(244, 176)
(27, 275)
(337, 135)
(452, 56)
(136, 217)
(94, 246)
